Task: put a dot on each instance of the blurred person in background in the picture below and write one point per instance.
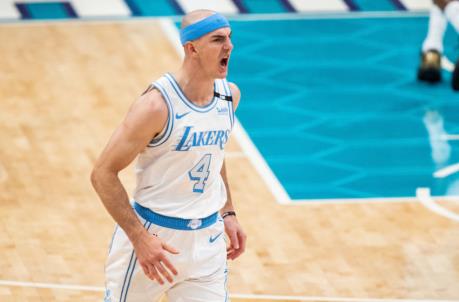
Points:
(442, 12)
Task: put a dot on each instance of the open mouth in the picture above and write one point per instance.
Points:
(224, 62)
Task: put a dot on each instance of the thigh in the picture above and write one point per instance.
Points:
(212, 288)
(125, 280)
(206, 281)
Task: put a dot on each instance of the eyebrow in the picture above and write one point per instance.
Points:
(220, 35)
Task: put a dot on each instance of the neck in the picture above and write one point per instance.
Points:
(197, 87)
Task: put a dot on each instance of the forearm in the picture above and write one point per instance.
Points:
(229, 203)
(115, 199)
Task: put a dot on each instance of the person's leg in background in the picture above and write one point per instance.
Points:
(432, 48)
(451, 10)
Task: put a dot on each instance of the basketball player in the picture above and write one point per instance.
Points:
(174, 229)
(442, 12)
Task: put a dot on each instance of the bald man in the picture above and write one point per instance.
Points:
(171, 238)
(442, 12)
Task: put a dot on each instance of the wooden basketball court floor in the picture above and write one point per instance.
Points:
(63, 89)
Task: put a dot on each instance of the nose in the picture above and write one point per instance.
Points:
(228, 44)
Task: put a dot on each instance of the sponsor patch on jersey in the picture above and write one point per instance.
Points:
(222, 111)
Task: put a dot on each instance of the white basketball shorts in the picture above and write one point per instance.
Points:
(201, 264)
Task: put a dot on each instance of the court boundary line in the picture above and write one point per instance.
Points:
(447, 171)
(240, 133)
(231, 17)
(450, 137)
(259, 163)
(76, 287)
(424, 197)
(243, 139)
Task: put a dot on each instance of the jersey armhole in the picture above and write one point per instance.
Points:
(167, 130)
(230, 103)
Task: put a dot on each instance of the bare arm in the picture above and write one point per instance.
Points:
(236, 93)
(232, 227)
(146, 117)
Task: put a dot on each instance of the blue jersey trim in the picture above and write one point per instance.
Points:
(185, 100)
(225, 284)
(113, 238)
(174, 222)
(170, 119)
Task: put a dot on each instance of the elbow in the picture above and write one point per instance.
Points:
(101, 175)
(94, 176)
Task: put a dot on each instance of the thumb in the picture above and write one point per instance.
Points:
(170, 249)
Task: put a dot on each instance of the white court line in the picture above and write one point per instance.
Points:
(320, 16)
(446, 64)
(247, 145)
(447, 171)
(424, 197)
(375, 200)
(319, 6)
(260, 164)
(242, 137)
(354, 200)
(235, 296)
(172, 34)
(258, 160)
(450, 137)
(51, 285)
(239, 17)
(222, 6)
(330, 299)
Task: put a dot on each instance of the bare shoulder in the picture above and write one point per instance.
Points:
(148, 112)
(236, 93)
(151, 102)
(146, 117)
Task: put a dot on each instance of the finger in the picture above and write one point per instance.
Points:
(169, 265)
(236, 254)
(149, 271)
(233, 238)
(156, 275)
(242, 240)
(231, 255)
(170, 249)
(146, 271)
(163, 272)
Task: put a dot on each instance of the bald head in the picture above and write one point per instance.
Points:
(195, 16)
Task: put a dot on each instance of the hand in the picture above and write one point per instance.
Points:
(151, 254)
(236, 235)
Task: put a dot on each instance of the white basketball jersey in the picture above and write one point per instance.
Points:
(178, 173)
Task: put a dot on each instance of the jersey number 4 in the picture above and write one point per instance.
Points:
(200, 173)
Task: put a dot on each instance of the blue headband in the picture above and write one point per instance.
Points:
(203, 27)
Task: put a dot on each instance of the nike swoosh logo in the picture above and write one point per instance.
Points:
(212, 239)
(179, 116)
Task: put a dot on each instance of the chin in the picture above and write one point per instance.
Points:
(221, 74)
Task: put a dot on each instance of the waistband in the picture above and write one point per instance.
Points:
(173, 222)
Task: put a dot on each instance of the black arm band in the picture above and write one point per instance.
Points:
(229, 213)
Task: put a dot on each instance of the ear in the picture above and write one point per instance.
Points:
(191, 49)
